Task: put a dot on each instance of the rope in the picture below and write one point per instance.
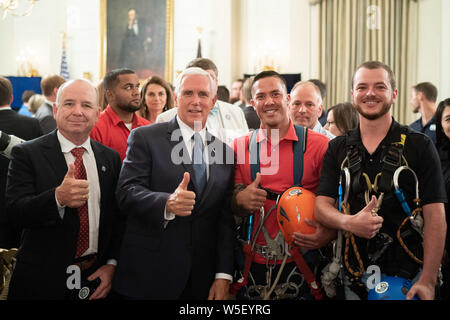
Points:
(268, 293)
(349, 237)
(402, 243)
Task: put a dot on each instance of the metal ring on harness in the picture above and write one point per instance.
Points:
(415, 216)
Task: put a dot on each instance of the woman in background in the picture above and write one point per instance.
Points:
(156, 97)
(341, 118)
(442, 117)
(102, 102)
(35, 102)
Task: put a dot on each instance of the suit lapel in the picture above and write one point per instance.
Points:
(102, 172)
(54, 156)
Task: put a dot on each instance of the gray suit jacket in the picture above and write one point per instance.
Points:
(45, 116)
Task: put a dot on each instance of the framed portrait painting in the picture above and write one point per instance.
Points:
(137, 34)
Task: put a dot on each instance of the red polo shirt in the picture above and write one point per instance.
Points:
(111, 131)
(277, 169)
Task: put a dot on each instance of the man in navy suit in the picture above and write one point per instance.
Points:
(60, 191)
(178, 242)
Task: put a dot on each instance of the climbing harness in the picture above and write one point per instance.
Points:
(393, 163)
(331, 271)
(276, 249)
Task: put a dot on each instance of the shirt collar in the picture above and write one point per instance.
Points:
(67, 146)
(115, 118)
(215, 109)
(317, 127)
(188, 132)
(290, 134)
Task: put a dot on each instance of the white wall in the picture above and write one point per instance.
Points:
(433, 56)
(282, 28)
(285, 26)
(214, 18)
(38, 33)
(41, 34)
(83, 38)
(445, 57)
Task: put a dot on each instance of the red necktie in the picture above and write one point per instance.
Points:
(83, 235)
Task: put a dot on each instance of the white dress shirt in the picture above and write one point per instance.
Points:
(94, 188)
(318, 128)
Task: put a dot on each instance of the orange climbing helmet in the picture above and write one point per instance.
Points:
(294, 206)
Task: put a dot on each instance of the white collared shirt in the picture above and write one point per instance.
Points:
(94, 188)
(318, 128)
(187, 133)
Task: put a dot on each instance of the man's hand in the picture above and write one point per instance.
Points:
(364, 224)
(72, 192)
(106, 274)
(182, 201)
(252, 198)
(316, 240)
(424, 291)
(219, 290)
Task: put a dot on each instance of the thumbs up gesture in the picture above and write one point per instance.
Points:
(182, 201)
(72, 192)
(364, 224)
(252, 198)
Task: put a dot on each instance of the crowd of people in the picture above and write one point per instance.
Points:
(161, 191)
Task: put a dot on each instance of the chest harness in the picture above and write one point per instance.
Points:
(393, 164)
(276, 248)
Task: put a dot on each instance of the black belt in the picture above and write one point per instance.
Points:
(85, 262)
(271, 195)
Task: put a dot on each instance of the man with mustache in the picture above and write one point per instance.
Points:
(277, 138)
(372, 153)
(119, 117)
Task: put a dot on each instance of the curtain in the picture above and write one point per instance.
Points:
(354, 31)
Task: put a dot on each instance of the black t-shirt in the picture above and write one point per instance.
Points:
(421, 156)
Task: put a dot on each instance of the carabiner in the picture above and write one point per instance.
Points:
(399, 192)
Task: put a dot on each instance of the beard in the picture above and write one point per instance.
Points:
(130, 108)
(384, 109)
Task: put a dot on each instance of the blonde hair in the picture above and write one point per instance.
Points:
(35, 102)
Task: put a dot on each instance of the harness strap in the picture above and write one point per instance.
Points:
(392, 160)
(307, 273)
(299, 148)
(249, 255)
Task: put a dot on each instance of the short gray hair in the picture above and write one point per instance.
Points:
(192, 71)
(70, 82)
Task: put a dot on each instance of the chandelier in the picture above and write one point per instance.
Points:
(13, 8)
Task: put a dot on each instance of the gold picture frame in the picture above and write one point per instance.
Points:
(110, 31)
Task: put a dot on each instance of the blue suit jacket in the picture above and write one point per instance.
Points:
(157, 260)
